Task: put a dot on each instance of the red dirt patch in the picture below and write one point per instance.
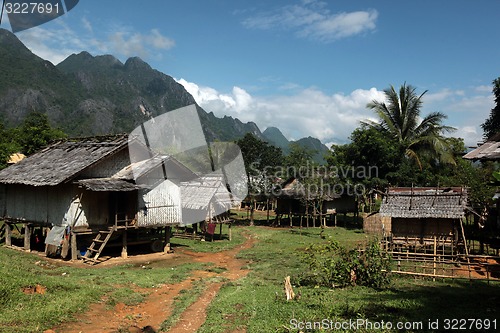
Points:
(156, 308)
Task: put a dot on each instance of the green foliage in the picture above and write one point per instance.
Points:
(492, 125)
(8, 145)
(299, 156)
(36, 132)
(258, 155)
(368, 148)
(332, 265)
(399, 119)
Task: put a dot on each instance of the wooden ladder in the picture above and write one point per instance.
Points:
(101, 239)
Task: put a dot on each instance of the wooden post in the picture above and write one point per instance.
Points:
(267, 208)
(290, 295)
(8, 234)
(27, 237)
(435, 254)
(124, 244)
(220, 231)
(166, 248)
(229, 227)
(74, 248)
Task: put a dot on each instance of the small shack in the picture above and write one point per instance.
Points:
(293, 198)
(425, 217)
(207, 201)
(87, 192)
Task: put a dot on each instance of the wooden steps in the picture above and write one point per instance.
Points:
(98, 244)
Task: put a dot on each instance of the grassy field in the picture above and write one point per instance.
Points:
(256, 302)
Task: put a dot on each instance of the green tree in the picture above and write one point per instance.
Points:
(399, 120)
(492, 125)
(299, 157)
(35, 132)
(261, 162)
(8, 145)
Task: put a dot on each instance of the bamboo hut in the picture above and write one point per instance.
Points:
(423, 218)
(87, 187)
(294, 198)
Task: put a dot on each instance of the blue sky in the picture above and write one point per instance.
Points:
(308, 67)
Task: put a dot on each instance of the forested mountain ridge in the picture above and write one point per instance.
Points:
(93, 95)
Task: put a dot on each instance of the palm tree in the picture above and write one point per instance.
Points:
(399, 119)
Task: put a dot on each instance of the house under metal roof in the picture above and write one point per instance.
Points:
(488, 151)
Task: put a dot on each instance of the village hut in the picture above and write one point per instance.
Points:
(293, 198)
(88, 187)
(207, 201)
(425, 217)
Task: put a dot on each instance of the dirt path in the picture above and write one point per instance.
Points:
(156, 308)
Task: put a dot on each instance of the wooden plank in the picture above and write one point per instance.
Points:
(8, 234)
(124, 244)
(74, 247)
(27, 237)
(167, 248)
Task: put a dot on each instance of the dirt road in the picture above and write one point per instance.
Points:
(156, 308)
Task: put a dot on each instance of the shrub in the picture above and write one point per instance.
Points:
(332, 265)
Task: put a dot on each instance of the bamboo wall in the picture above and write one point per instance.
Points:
(377, 224)
(160, 206)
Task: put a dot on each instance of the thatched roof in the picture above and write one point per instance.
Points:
(404, 202)
(198, 194)
(489, 150)
(62, 161)
(108, 185)
(293, 188)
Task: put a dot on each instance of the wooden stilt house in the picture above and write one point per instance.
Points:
(294, 199)
(87, 187)
(425, 218)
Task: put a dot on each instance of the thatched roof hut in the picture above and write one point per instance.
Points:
(425, 203)
(424, 215)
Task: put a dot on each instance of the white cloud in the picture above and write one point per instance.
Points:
(313, 20)
(310, 112)
(332, 118)
(87, 25)
(471, 135)
(56, 42)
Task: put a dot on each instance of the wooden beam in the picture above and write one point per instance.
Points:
(27, 237)
(74, 247)
(166, 248)
(8, 234)
(124, 244)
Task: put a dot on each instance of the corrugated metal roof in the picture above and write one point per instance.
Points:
(425, 203)
(490, 150)
(61, 161)
(197, 194)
